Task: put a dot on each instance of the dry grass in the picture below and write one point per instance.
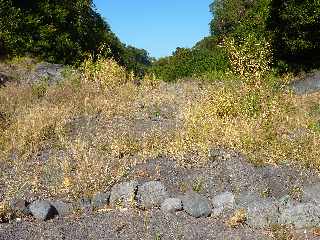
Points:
(238, 219)
(4, 212)
(82, 135)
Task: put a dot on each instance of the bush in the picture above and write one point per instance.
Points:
(239, 17)
(296, 32)
(251, 58)
(106, 73)
(190, 62)
(56, 31)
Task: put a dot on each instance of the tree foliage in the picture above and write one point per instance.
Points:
(296, 28)
(136, 60)
(239, 17)
(187, 62)
(62, 31)
(293, 26)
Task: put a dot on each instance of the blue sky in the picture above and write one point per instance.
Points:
(158, 26)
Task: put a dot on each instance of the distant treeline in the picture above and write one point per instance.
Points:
(67, 32)
(292, 27)
(63, 31)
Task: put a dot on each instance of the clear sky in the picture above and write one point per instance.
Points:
(158, 26)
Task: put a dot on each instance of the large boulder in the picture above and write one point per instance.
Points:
(85, 205)
(196, 205)
(49, 72)
(123, 194)
(222, 203)
(262, 213)
(151, 194)
(42, 210)
(3, 79)
(62, 208)
(20, 207)
(303, 215)
(171, 205)
(100, 199)
(312, 193)
(307, 84)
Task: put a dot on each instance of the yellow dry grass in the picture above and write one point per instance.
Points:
(83, 134)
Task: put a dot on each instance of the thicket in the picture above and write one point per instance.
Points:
(295, 27)
(190, 62)
(62, 32)
(289, 30)
(291, 27)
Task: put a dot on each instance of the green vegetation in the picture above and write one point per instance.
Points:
(289, 30)
(63, 32)
(99, 123)
(190, 62)
(296, 32)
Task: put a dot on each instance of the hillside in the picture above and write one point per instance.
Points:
(98, 140)
(72, 135)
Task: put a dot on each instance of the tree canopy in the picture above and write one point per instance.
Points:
(62, 31)
(293, 26)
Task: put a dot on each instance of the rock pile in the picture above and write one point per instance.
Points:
(261, 212)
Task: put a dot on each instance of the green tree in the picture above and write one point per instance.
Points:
(136, 60)
(296, 28)
(56, 30)
(187, 62)
(239, 17)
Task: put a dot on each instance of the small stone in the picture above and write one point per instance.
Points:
(100, 199)
(287, 202)
(171, 205)
(312, 193)
(20, 207)
(42, 210)
(262, 213)
(63, 209)
(222, 202)
(85, 204)
(196, 205)
(123, 194)
(245, 199)
(151, 194)
(3, 79)
(303, 215)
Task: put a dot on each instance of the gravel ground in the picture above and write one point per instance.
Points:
(224, 174)
(132, 224)
(128, 225)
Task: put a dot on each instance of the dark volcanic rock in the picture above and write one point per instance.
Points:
(123, 194)
(151, 194)
(100, 199)
(196, 205)
(42, 210)
(171, 205)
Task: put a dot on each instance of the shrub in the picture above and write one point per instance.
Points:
(190, 62)
(106, 73)
(251, 58)
(296, 32)
(55, 31)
